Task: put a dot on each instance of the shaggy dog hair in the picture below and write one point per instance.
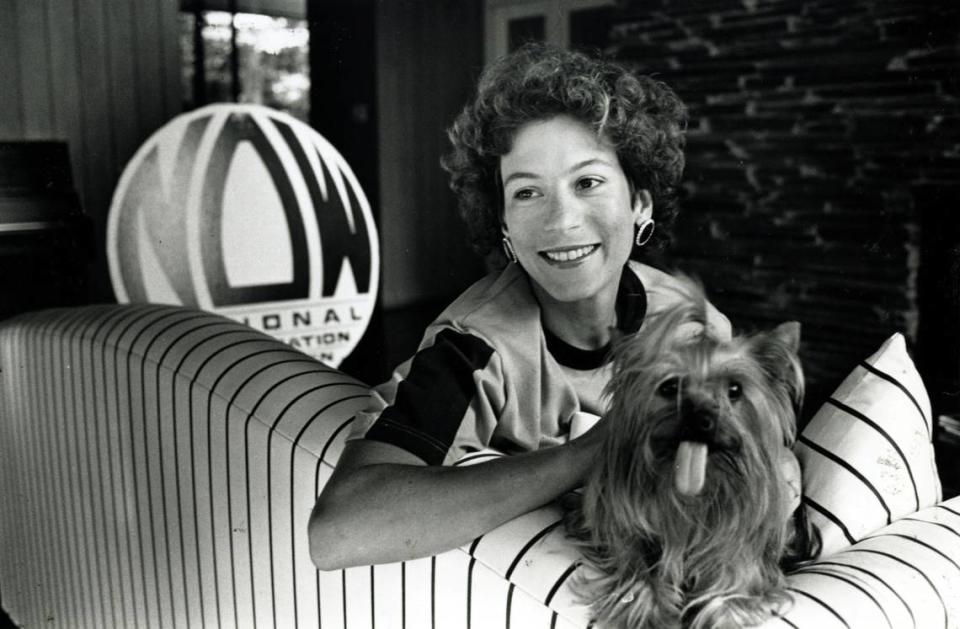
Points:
(668, 551)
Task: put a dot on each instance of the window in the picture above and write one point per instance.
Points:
(576, 24)
(234, 56)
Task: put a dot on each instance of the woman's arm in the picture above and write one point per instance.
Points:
(382, 504)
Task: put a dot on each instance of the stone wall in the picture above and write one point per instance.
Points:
(824, 146)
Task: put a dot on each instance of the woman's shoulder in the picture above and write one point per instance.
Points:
(499, 306)
(664, 289)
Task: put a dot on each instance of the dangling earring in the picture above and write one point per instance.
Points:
(508, 250)
(644, 231)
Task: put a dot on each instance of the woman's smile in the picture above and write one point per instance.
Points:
(564, 255)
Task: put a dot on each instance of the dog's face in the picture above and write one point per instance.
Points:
(708, 407)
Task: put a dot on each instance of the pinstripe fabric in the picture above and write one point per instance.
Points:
(158, 469)
(907, 572)
(867, 454)
(159, 466)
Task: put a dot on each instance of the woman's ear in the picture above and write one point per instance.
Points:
(642, 205)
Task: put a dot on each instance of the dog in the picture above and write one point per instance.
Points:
(690, 518)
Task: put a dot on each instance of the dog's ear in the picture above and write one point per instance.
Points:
(777, 348)
(789, 334)
(776, 352)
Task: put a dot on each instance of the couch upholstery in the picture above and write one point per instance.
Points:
(158, 466)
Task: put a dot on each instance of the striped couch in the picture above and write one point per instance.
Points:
(158, 466)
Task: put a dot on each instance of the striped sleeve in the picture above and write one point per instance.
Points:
(438, 394)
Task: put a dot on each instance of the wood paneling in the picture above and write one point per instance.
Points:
(100, 74)
(98, 126)
(149, 45)
(11, 101)
(124, 78)
(34, 71)
(67, 119)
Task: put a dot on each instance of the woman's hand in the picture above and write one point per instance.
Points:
(382, 504)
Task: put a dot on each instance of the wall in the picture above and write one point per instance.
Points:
(101, 74)
(823, 135)
(429, 54)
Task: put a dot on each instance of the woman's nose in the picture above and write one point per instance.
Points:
(563, 212)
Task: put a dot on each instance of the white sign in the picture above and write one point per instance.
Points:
(247, 212)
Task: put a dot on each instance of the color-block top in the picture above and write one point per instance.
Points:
(489, 375)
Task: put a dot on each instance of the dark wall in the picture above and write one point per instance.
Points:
(343, 83)
(387, 78)
(343, 78)
(429, 55)
(823, 166)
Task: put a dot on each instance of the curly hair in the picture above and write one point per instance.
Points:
(642, 118)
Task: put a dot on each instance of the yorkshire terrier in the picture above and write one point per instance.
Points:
(691, 518)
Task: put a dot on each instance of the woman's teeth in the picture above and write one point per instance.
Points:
(570, 254)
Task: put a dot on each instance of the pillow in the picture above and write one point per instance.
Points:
(867, 454)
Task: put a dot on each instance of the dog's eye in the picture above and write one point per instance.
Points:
(734, 390)
(668, 388)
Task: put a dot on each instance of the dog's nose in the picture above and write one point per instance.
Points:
(705, 422)
(699, 425)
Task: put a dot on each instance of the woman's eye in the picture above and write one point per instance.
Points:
(523, 194)
(588, 183)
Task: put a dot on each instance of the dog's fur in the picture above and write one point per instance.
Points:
(716, 559)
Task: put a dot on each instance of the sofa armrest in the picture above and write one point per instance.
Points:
(159, 466)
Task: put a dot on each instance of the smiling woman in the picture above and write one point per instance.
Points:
(565, 161)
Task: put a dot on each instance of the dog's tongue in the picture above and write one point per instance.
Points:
(690, 468)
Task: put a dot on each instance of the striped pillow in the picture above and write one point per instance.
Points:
(867, 454)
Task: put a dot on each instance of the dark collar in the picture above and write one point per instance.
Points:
(631, 307)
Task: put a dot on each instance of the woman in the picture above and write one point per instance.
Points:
(565, 161)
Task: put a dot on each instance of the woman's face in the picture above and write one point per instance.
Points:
(568, 211)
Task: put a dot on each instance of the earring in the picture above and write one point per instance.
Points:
(508, 250)
(644, 231)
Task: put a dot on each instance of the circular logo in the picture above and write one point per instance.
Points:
(250, 213)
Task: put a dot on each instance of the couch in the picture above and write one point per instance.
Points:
(158, 466)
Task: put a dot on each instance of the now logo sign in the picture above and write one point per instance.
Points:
(250, 213)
